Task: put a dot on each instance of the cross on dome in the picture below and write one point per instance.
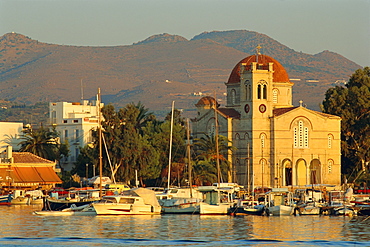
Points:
(258, 49)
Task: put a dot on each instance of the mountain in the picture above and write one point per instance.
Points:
(155, 71)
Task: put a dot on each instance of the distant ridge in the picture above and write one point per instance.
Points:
(155, 71)
(164, 37)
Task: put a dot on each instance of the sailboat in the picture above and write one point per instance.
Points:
(218, 198)
(180, 200)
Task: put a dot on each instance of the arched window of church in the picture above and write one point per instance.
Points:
(300, 135)
(274, 96)
(330, 166)
(263, 140)
(233, 97)
(249, 92)
(305, 137)
(259, 91)
(264, 93)
(211, 130)
(330, 140)
(247, 89)
(295, 137)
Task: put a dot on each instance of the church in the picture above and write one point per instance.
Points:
(276, 143)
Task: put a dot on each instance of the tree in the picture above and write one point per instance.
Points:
(129, 148)
(206, 157)
(43, 142)
(159, 136)
(352, 104)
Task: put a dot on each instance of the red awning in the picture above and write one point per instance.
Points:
(44, 175)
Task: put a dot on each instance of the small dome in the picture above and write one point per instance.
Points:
(280, 75)
(207, 101)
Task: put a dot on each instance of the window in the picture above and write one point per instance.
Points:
(263, 140)
(64, 121)
(300, 134)
(330, 139)
(274, 96)
(330, 166)
(211, 129)
(259, 91)
(75, 120)
(77, 133)
(247, 88)
(65, 133)
(233, 97)
(262, 90)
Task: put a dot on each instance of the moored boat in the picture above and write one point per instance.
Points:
(218, 199)
(137, 201)
(73, 210)
(5, 199)
(247, 207)
(279, 202)
(180, 201)
(78, 198)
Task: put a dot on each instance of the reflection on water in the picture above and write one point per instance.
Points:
(20, 227)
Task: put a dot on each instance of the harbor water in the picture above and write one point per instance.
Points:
(19, 227)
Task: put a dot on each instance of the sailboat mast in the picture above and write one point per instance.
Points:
(217, 149)
(170, 152)
(189, 159)
(100, 146)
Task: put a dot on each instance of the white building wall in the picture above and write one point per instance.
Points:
(74, 122)
(11, 131)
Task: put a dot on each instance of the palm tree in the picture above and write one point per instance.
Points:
(41, 142)
(206, 157)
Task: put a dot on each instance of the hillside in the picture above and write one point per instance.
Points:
(154, 71)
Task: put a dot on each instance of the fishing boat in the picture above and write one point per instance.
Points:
(180, 201)
(279, 202)
(218, 199)
(5, 199)
(247, 207)
(310, 202)
(137, 201)
(362, 204)
(19, 198)
(78, 198)
(73, 210)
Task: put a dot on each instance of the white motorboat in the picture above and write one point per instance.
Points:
(279, 202)
(180, 201)
(135, 201)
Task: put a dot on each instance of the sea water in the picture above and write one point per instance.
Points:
(19, 227)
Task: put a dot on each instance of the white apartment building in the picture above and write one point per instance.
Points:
(75, 122)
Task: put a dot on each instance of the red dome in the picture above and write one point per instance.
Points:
(207, 100)
(279, 75)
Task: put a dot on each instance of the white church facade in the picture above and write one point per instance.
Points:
(277, 144)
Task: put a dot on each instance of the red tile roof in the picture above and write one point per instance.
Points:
(26, 157)
(229, 112)
(281, 111)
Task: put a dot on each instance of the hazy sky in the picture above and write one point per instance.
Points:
(310, 26)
